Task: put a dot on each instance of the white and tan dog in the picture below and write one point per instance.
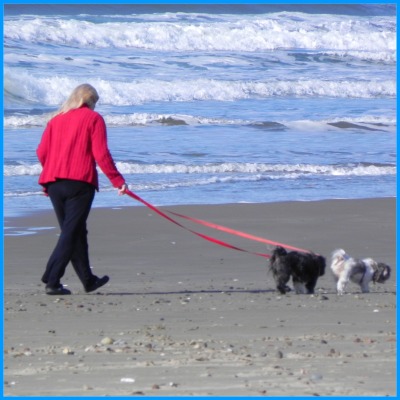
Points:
(361, 272)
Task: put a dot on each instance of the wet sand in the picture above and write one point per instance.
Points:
(185, 317)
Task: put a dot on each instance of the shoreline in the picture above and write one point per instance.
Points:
(34, 214)
(185, 317)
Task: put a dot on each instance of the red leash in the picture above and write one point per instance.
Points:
(213, 226)
(237, 233)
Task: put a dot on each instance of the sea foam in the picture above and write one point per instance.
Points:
(227, 33)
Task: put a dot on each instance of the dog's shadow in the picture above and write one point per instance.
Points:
(191, 292)
(272, 291)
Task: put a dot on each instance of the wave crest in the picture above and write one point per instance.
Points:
(227, 33)
(51, 91)
(269, 170)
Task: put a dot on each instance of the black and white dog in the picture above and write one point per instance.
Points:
(304, 268)
(361, 272)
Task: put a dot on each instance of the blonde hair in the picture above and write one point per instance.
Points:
(82, 94)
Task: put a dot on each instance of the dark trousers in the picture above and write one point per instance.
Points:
(72, 201)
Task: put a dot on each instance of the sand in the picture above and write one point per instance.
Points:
(185, 317)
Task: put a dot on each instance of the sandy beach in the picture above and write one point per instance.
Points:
(185, 317)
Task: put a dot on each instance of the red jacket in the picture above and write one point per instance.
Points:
(72, 144)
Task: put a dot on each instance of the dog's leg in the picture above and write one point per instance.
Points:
(283, 289)
(341, 285)
(282, 281)
(299, 287)
(281, 284)
(344, 278)
(310, 286)
(281, 275)
(298, 284)
(364, 286)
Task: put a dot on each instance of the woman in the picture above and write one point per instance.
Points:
(74, 140)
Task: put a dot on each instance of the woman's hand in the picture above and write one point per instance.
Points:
(122, 190)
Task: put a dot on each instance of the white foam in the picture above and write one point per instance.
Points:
(227, 33)
(272, 170)
(51, 90)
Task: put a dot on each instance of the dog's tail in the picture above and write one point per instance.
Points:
(381, 273)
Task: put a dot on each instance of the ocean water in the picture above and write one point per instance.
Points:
(210, 104)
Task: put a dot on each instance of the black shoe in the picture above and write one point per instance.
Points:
(59, 291)
(99, 282)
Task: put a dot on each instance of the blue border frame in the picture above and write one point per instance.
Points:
(8, 2)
